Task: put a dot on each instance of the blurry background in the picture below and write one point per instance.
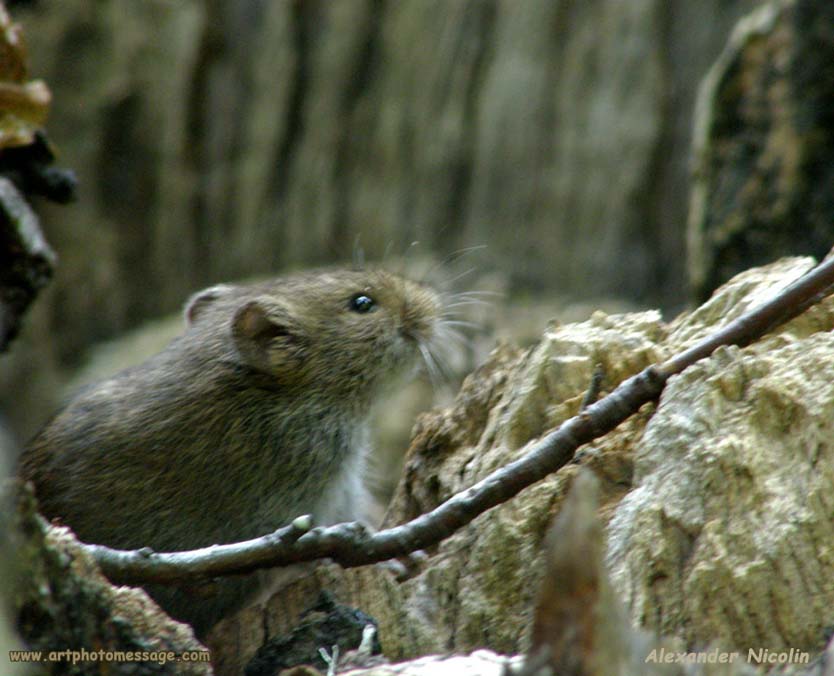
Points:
(220, 139)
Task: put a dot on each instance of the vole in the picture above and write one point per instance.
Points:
(256, 414)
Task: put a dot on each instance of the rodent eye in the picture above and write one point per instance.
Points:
(362, 303)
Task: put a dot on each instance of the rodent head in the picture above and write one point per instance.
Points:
(339, 332)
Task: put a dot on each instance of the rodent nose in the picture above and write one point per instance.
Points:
(416, 319)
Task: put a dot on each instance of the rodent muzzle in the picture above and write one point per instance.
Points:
(418, 319)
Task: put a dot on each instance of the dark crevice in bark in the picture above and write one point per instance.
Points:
(302, 28)
(482, 15)
(566, 17)
(244, 19)
(127, 189)
(643, 227)
(355, 88)
(195, 156)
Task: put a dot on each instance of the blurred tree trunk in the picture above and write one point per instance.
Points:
(765, 145)
(217, 139)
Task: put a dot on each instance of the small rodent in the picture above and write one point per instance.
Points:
(256, 414)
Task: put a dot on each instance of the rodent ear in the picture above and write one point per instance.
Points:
(260, 326)
(269, 339)
(201, 300)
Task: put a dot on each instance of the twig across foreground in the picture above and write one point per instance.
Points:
(350, 544)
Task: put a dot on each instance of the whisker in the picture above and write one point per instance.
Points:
(387, 251)
(404, 263)
(452, 257)
(358, 253)
(431, 366)
(454, 335)
(411, 245)
(446, 329)
(462, 323)
(439, 360)
(467, 303)
(476, 294)
(458, 277)
(443, 368)
(459, 253)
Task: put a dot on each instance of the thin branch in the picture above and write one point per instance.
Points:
(350, 544)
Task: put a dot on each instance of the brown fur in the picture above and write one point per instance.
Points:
(256, 414)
